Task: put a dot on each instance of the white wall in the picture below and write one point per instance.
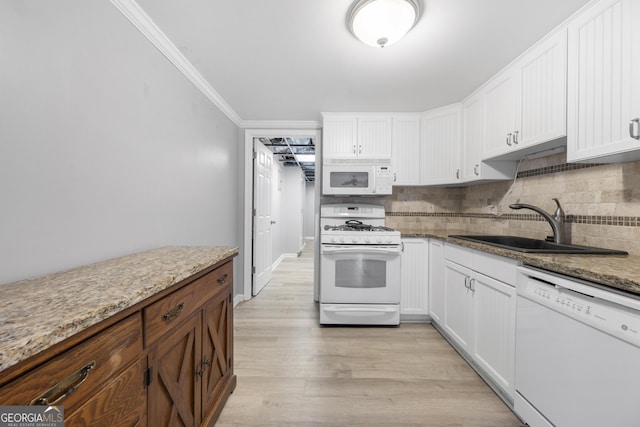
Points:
(292, 210)
(309, 209)
(105, 148)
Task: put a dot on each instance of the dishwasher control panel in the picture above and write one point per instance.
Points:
(614, 319)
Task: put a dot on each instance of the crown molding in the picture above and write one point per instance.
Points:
(281, 124)
(134, 13)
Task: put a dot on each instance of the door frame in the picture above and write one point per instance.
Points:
(247, 245)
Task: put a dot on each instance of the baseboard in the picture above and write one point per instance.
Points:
(415, 318)
(238, 299)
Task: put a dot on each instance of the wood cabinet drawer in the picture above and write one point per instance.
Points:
(87, 367)
(160, 317)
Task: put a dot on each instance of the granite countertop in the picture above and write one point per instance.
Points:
(38, 313)
(620, 272)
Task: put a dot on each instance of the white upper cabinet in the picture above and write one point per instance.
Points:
(472, 136)
(352, 136)
(604, 83)
(440, 146)
(526, 103)
(406, 149)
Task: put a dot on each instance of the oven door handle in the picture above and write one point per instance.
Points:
(359, 309)
(361, 250)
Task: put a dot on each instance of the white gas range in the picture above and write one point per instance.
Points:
(360, 266)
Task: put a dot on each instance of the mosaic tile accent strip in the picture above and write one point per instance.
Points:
(557, 168)
(620, 221)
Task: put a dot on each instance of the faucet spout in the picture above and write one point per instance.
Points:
(556, 221)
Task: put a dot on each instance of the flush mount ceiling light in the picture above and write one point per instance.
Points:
(381, 23)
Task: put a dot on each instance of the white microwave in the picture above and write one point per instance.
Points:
(357, 178)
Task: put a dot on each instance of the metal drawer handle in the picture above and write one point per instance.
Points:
(515, 137)
(475, 170)
(223, 278)
(509, 139)
(634, 128)
(173, 313)
(65, 387)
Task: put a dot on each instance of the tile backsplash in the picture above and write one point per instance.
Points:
(601, 202)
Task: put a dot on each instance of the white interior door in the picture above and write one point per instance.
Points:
(262, 245)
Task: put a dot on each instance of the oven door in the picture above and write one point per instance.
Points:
(348, 179)
(360, 274)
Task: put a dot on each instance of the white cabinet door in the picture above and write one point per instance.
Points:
(436, 281)
(457, 304)
(406, 149)
(543, 93)
(440, 146)
(374, 137)
(500, 104)
(604, 83)
(339, 137)
(473, 133)
(494, 319)
(414, 280)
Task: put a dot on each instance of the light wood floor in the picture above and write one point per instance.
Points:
(293, 372)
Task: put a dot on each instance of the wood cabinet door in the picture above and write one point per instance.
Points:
(500, 104)
(604, 88)
(473, 134)
(494, 320)
(217, 347)
(414, 279)
(174, 392)
(440, 146)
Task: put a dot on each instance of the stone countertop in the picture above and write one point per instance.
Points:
(615, 271)
(38, 313)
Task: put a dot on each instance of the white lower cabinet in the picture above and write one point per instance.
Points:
(414, 280)
(436, 281)
(479, 311)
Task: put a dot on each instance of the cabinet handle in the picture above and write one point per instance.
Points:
(509, 139)
(466, 282)
(199, 372)
(634, 128)
(64, 388)
(207, 364)
(472, 288)
(458, 174)
(354, 148)
(173, 313)
(475, 170)
(360, 149)
(223, 278)
(515, 137)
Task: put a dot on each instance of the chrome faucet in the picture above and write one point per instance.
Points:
(560, 234)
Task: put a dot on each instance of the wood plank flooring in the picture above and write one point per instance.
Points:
(293, 372)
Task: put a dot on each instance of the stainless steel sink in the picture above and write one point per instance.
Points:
(524, 244)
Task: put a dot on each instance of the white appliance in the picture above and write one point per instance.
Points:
(357, 177)
(359, 266)
(577, 353)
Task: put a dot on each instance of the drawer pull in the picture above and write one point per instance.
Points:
(173, 313)
(223, 278)
(64, 388)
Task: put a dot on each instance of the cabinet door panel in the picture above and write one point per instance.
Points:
(174, 392)
(500, 114)
(543, 103)
(440, 146)
(414, 278)
(217, 349)
(374, 137)
(457, 300)
(406, 150)
(436, 281)
(494, 318)
(604, 89)
(339, 137)
(473, 113)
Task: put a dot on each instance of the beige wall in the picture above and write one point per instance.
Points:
(602, 203)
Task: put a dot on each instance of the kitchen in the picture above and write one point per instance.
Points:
(104, 151)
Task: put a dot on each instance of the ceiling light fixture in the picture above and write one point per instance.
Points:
(381, 23)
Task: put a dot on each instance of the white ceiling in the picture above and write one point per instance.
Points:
(292, 59)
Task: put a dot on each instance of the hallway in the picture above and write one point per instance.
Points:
(291, 371)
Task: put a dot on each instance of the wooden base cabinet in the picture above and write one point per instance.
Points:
(167, 361)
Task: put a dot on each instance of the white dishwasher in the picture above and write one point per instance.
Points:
(577, 353)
